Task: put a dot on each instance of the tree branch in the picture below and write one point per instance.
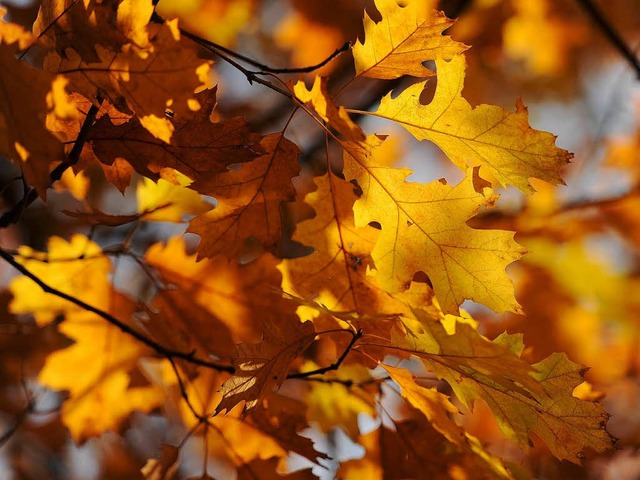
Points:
(355, 336)
(123, 327)
(31, 195)
(612, 35)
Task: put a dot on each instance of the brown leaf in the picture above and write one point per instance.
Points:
(264, 366)
(145, 81)
(249, 200)
(198, 147)
(82, 25)
(26, 96)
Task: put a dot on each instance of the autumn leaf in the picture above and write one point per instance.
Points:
(412, 448)
(231, 438)
(337, 117)
(435, 406)
(24, 136)
(286, 420)
(332, 404)
(424, 229)
(82, 25)
(249, 200)
(198, 148)
(136, 79)
(333, 275)
(264, 366)
(76, 268)
(169, 200)
(501, 141)
(492, 371)
(403, 40)
(239, 296)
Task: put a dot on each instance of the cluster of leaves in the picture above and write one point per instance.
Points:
(248, 340)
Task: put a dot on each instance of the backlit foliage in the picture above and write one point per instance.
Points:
(283, 278)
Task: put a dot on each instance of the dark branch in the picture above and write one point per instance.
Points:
(123, 327)
(612, 35)
(355, 336)
(31, 195)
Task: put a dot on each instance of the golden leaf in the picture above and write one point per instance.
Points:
(547, 408)
(406, 37)
(424, 229)
(501, 141)
(95, 369)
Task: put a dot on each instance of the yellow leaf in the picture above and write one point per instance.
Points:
(500, 141)
(493, 372)
(79, 269)
(334, 274)
(334, 405)
(435, 406)
(337, 117)
(424, 229)
(76, 184)
(169, 199)
(406, 37)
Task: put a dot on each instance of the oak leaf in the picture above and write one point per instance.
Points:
(424, 229)
(249, 200)
(136, 79)
(199, 146)
(79, 269)
(264, 366)
(499, 140)
(547, 408)
(403, 40)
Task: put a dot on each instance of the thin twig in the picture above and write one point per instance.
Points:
(612, 35)
(264, 69)
(123, 327)
(335, 365)
(183, 393)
